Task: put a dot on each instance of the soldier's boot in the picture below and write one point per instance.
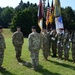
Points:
(66, 58)
(34, 67)
(54, 55)
(73, 61)
(18, 59)
(60, 57)
(49, 54)
(2, 68)
(46, 59)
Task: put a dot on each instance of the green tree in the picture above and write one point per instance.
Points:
(6, 16)
(68, 18)
(25, 19)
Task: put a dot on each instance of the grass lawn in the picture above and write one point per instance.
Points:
(51, 67)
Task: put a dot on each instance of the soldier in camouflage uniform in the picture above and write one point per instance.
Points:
(73, 46)
(18, 40)
(45, 44)
(60, 44)
(54, 42)
(49, 37)
(34, 47)
(66, 44)
(2, 47)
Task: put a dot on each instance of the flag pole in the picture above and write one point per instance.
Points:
(44, 15)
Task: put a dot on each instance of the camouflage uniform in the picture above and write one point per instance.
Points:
(34, 47)
(60, 44)
(18, 40)
(66, 45)
(73, 47)
(49, 37)
(45, 45)
(54, 43)
(2, 47)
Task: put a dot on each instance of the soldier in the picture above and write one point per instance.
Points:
(18, 40)
(66, 44)
(54, 42)
(73, 46)
(34, 47)
(45, 44)
(49, 37)
(2, 47)
(60, 44)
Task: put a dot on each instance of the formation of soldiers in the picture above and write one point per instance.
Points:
(45, 40)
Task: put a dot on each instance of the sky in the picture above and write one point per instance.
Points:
(14, 3)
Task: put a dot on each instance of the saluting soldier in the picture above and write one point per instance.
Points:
(2, 48)
(34, 47)
(18, 40)
(67, 40)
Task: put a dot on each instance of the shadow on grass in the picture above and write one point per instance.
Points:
(5, 72)
(24, 63)
(62, 64)
(40, 68)
(70, 60)
(45, 71)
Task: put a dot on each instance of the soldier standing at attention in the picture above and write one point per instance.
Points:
(73, 46)
(66, 44)
(2, 47)
(18, 40)
(45, 44)
(49, 37)
(60, 44)
(54, 42)
(34, 47)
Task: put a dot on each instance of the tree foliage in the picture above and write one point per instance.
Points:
(25, 16)
(6, 16)
(25, 19)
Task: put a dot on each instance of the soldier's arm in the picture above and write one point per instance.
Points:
(29, 42)
(4, 43)
(41, 39)
(13, 39)
(22, 38)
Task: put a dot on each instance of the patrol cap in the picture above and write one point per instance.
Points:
(33, 27)
(1, 27)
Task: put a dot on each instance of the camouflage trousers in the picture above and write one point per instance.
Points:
(54, 49)
(18, 51)
(73, 51)
(45, 53)
(60, 51)
(66, 53)
(49, 51)
(34, 58)
(1, 56)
